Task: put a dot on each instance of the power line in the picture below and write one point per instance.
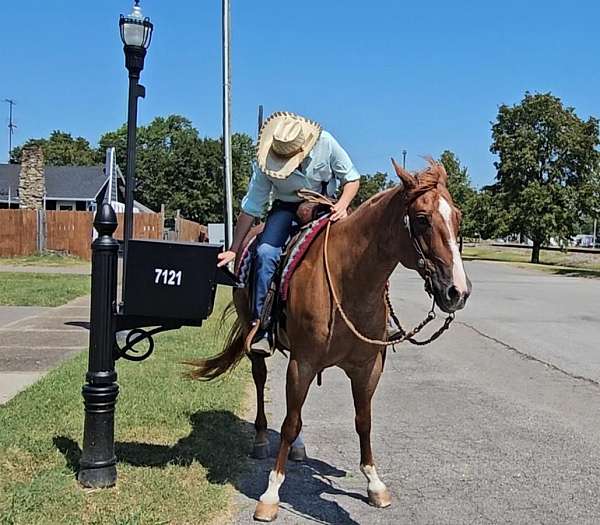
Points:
(11, 125)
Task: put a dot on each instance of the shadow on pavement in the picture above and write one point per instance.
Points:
(221, 442)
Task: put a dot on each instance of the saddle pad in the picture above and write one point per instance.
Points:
(297, 250)
(245, 267)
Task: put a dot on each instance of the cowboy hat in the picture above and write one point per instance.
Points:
(284, 142)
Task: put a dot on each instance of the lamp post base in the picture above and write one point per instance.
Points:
(98, 478)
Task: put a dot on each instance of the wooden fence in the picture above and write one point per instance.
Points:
(18, 232)
(70, 232)
(26, 232)
(145, 226)
(190, 231)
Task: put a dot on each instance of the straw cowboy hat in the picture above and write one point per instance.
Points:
(284, 142)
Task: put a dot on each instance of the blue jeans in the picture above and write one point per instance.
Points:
(280, 223)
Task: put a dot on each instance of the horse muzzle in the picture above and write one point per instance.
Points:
(449, 298)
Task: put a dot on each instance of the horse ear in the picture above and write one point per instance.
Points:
(407, 179)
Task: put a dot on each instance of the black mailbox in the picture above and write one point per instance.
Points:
(170, 283)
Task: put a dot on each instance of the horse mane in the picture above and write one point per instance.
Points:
(433, 177)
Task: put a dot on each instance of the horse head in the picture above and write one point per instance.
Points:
(432, 222)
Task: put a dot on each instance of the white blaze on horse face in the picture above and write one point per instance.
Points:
(271, 495)
(459, 277)
(375, 484)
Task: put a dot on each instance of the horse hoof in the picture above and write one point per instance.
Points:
(297, 454)
(266, 512)
(260, 451)
(381, 500)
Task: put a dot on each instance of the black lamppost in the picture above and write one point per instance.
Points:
(136, 34)
(404, 158)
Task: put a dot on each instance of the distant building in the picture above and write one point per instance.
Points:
(61, 188)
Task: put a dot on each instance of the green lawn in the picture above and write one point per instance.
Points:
(41, 289)
(574, 264)
(45, 259)
(180, 444)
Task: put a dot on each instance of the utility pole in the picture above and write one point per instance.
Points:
(227, 164)
(11, 125)
(404, 159)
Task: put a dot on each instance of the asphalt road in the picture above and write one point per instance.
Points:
(497, 422)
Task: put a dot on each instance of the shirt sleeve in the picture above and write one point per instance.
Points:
(258, 193)
(341, 165)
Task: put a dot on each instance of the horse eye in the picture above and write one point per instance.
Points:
(422, 221)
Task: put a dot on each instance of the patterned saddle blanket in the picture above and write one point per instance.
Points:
(293, 254)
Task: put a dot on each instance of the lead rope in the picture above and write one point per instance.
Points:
(314, 197)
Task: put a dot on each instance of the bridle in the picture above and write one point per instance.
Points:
(423, 267)
(402, 335)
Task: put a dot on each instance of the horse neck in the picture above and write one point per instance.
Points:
(371, 242)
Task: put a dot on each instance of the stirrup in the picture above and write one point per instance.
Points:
(261, 347)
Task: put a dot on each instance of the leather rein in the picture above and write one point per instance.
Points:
(403, 335)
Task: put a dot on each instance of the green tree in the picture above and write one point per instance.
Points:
(371, 185)
(61, 149)
(547, 176)
(178, 168)
(488, 215)
(463, 193)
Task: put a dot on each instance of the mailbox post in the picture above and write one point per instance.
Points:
(170, 285)
(97, 466)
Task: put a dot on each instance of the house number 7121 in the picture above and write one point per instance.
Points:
(168, 277)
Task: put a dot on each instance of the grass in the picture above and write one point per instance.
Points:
(41, 289)
(49, 259)
(180, 444)
(560, 263)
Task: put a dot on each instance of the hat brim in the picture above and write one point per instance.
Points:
(274, 165)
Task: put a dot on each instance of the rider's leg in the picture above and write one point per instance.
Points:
(268, 252)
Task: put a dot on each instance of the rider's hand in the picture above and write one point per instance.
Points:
(225, 258)
(338, 211)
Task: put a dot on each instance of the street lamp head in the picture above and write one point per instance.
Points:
(136, 30)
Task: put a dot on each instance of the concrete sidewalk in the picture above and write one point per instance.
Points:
(80, 269)
(33, 340)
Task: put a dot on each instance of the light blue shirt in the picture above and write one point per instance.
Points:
(327, 162)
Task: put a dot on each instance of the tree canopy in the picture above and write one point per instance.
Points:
(61, 149)
(463, 193)
(178, 168)
(547, 177)
(371, 185)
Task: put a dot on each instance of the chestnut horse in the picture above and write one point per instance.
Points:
(363, 250)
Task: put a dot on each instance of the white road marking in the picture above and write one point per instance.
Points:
(299, 441)
(459, 277)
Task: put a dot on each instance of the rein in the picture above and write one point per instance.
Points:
(403, 335)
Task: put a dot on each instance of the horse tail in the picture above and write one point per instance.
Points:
(228, 359)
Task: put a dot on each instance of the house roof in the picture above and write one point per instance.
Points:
(62, 182)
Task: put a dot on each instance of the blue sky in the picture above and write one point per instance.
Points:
(382, 76)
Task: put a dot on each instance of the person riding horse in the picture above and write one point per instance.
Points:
(293, 153)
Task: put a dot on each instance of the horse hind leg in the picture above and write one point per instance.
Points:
(298, 380)
(261, 439)
(364, 383)
(298, 449)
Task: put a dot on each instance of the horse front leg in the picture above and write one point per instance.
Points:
(364, 382)
(261, 439)
(298, 380)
